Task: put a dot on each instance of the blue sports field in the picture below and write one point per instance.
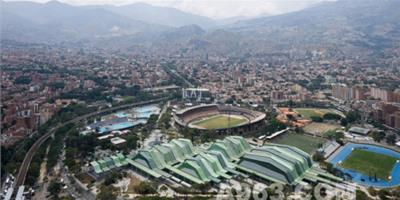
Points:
(364, 179)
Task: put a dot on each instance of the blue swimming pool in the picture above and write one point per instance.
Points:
(121, 114)
(120, 126)
(362, 178)
(146, 111)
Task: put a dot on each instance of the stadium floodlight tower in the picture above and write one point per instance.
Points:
(194, 93)
(229, 118)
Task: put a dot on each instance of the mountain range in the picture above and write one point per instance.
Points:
(343, 26)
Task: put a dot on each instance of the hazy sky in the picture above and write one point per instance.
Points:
(213, 8)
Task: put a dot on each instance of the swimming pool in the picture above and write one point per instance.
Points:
(146, 111)
(120, 126)
(121, 114)
(363, 179)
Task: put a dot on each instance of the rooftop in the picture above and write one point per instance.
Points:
(221, 160)
(359, 130)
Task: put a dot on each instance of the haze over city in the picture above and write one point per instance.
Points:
(214, 9)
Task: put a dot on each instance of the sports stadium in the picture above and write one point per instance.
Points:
(180, 162)
(223, 118)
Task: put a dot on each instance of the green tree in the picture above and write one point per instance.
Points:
(383, 194)
(378, 136)
(330, 134)
(332, 116)
(112, 178)
(330, 168)
(23, 80)
(131, 141)
(208, 136)
(391, 139)
(107, 193)
(70, 156)
(360, 195)
(291, 103)
(317, 119)
(165, 119)
(372, 191)
(353, 116)
(339, 136)
(343, 122)
(230, 101)
(318, 156)
(145, 188)
(54, 188)
(273, 125)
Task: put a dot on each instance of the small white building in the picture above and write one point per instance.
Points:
(359, 130)
(398, 143)
(117, 140)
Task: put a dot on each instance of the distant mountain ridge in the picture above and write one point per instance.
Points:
(161, 15)
(343, 27)
(55, 21)
(360, 23)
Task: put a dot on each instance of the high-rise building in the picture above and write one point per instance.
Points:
(379, 93)
(358, 93)
(277, 96)
(397, 119)
(342, 91)
(385, 95)
(388, 113)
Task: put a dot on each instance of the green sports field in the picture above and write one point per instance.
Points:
(369, 163)
(219, 122)
(306, 143)
(317, 112)
(320, 128)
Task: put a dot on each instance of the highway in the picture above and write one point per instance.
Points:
(20, 178)
(181, 77)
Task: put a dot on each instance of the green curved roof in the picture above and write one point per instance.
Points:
(281, 162)
(274, 162)
(108, 163)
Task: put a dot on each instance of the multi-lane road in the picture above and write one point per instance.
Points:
(20, 179)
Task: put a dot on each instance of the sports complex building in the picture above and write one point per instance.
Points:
(180, 162)
(222, 118)
(124, 119)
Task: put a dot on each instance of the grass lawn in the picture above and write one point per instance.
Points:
(220, 121)
(128, 98)
(310, 112)
(306, 143)
(320, 128)
(369, 163)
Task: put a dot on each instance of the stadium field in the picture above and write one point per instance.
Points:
(317, 112)
(306, 143)
(220, 121)
(320, 128)
(369, 163)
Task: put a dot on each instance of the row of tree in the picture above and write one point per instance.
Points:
(379, 136)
